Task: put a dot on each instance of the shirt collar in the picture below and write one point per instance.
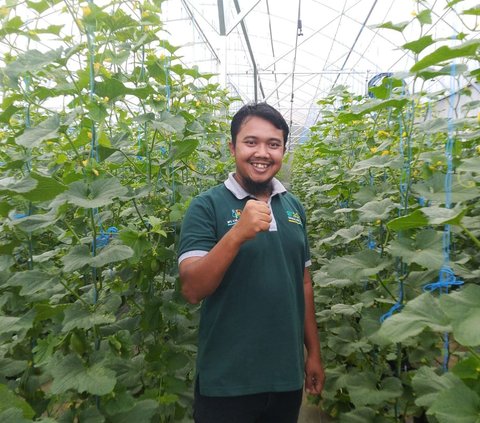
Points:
(237, 190)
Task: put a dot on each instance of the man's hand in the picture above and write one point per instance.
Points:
(314, 376)
(255, 218)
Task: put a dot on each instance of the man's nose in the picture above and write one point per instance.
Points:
(262, 150)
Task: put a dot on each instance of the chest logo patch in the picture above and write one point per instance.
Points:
(293, 217)
(236, 213)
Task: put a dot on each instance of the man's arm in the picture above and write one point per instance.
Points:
(314, 373)
(201, 276)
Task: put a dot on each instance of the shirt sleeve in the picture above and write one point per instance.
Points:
(198, 234)
(308, 259)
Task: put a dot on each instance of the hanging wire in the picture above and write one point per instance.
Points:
(405, 149)
(293, 71)
(447, 277)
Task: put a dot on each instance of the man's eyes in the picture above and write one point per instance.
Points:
(273, 145)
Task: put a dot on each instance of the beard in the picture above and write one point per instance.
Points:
(257, 189)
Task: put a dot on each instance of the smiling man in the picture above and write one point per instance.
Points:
(244, 253)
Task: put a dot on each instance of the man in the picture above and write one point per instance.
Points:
(244, 252)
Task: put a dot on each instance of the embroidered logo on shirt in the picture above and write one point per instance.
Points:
(236, 213)
(294, 217)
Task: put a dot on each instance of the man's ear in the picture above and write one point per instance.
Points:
(232, 148)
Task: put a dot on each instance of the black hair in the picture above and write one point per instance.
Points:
(261, 110)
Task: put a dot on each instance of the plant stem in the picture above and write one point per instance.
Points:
(473, 237)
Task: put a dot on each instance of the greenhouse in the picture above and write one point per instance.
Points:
(341, 139)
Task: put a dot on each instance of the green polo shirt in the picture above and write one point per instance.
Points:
(251, 331)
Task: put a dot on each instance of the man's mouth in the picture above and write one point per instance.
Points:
(260, 165)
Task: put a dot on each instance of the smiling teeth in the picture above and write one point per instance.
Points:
(260, 165)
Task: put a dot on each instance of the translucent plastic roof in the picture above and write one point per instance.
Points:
(291, 53)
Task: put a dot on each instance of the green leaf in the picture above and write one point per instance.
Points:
(365, 390)
(375, 210)
(430, 73)
(428, 385)
(425, 250)
(442, 216)
(420, 313)
(77, 316)
(111, 88)
(35, 284)
(36, 221)
(80, 256)
(9, 400)
(20, 325)
(372, 105)
(13, 415)
(39, 6)
(98, 193)
(8, 113)
(425, 17)
(359, 415)
(136, 240)
(380, 162)
(44, 349)
(91, 415)
(12, 185)
(444, 53)
(396, 27)
(468, 368)
(182, 149)
(472, 164)
(46, 189)
(33, 137)
(475, 11)
(419, 45)
(357, 266)
(97, 112)
(169, 123)
(344, 236)
(459, 404)
(143, 411)
(462, 307)
(31, 61)
(415, 219)
(70, 372)
(10, 368)
(434, 190)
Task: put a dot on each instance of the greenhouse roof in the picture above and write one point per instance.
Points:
(292, 53)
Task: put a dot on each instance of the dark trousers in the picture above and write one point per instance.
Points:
(268, 407)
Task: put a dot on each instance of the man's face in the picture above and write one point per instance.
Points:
(258, 153)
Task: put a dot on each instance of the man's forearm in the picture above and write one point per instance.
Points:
(311, 340)
(201, 276)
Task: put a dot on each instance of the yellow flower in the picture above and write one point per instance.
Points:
(385, 153)
(106, 99)
(378, 222)
(373, 150)
(89, 135)
(96, 67)
(85, 163)
(382, 134)
(413, 13)
(478, 117)
(439, 163)
(4, 11)
(197, 103)
(95, 172)
(478, 149)
(86, 11)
